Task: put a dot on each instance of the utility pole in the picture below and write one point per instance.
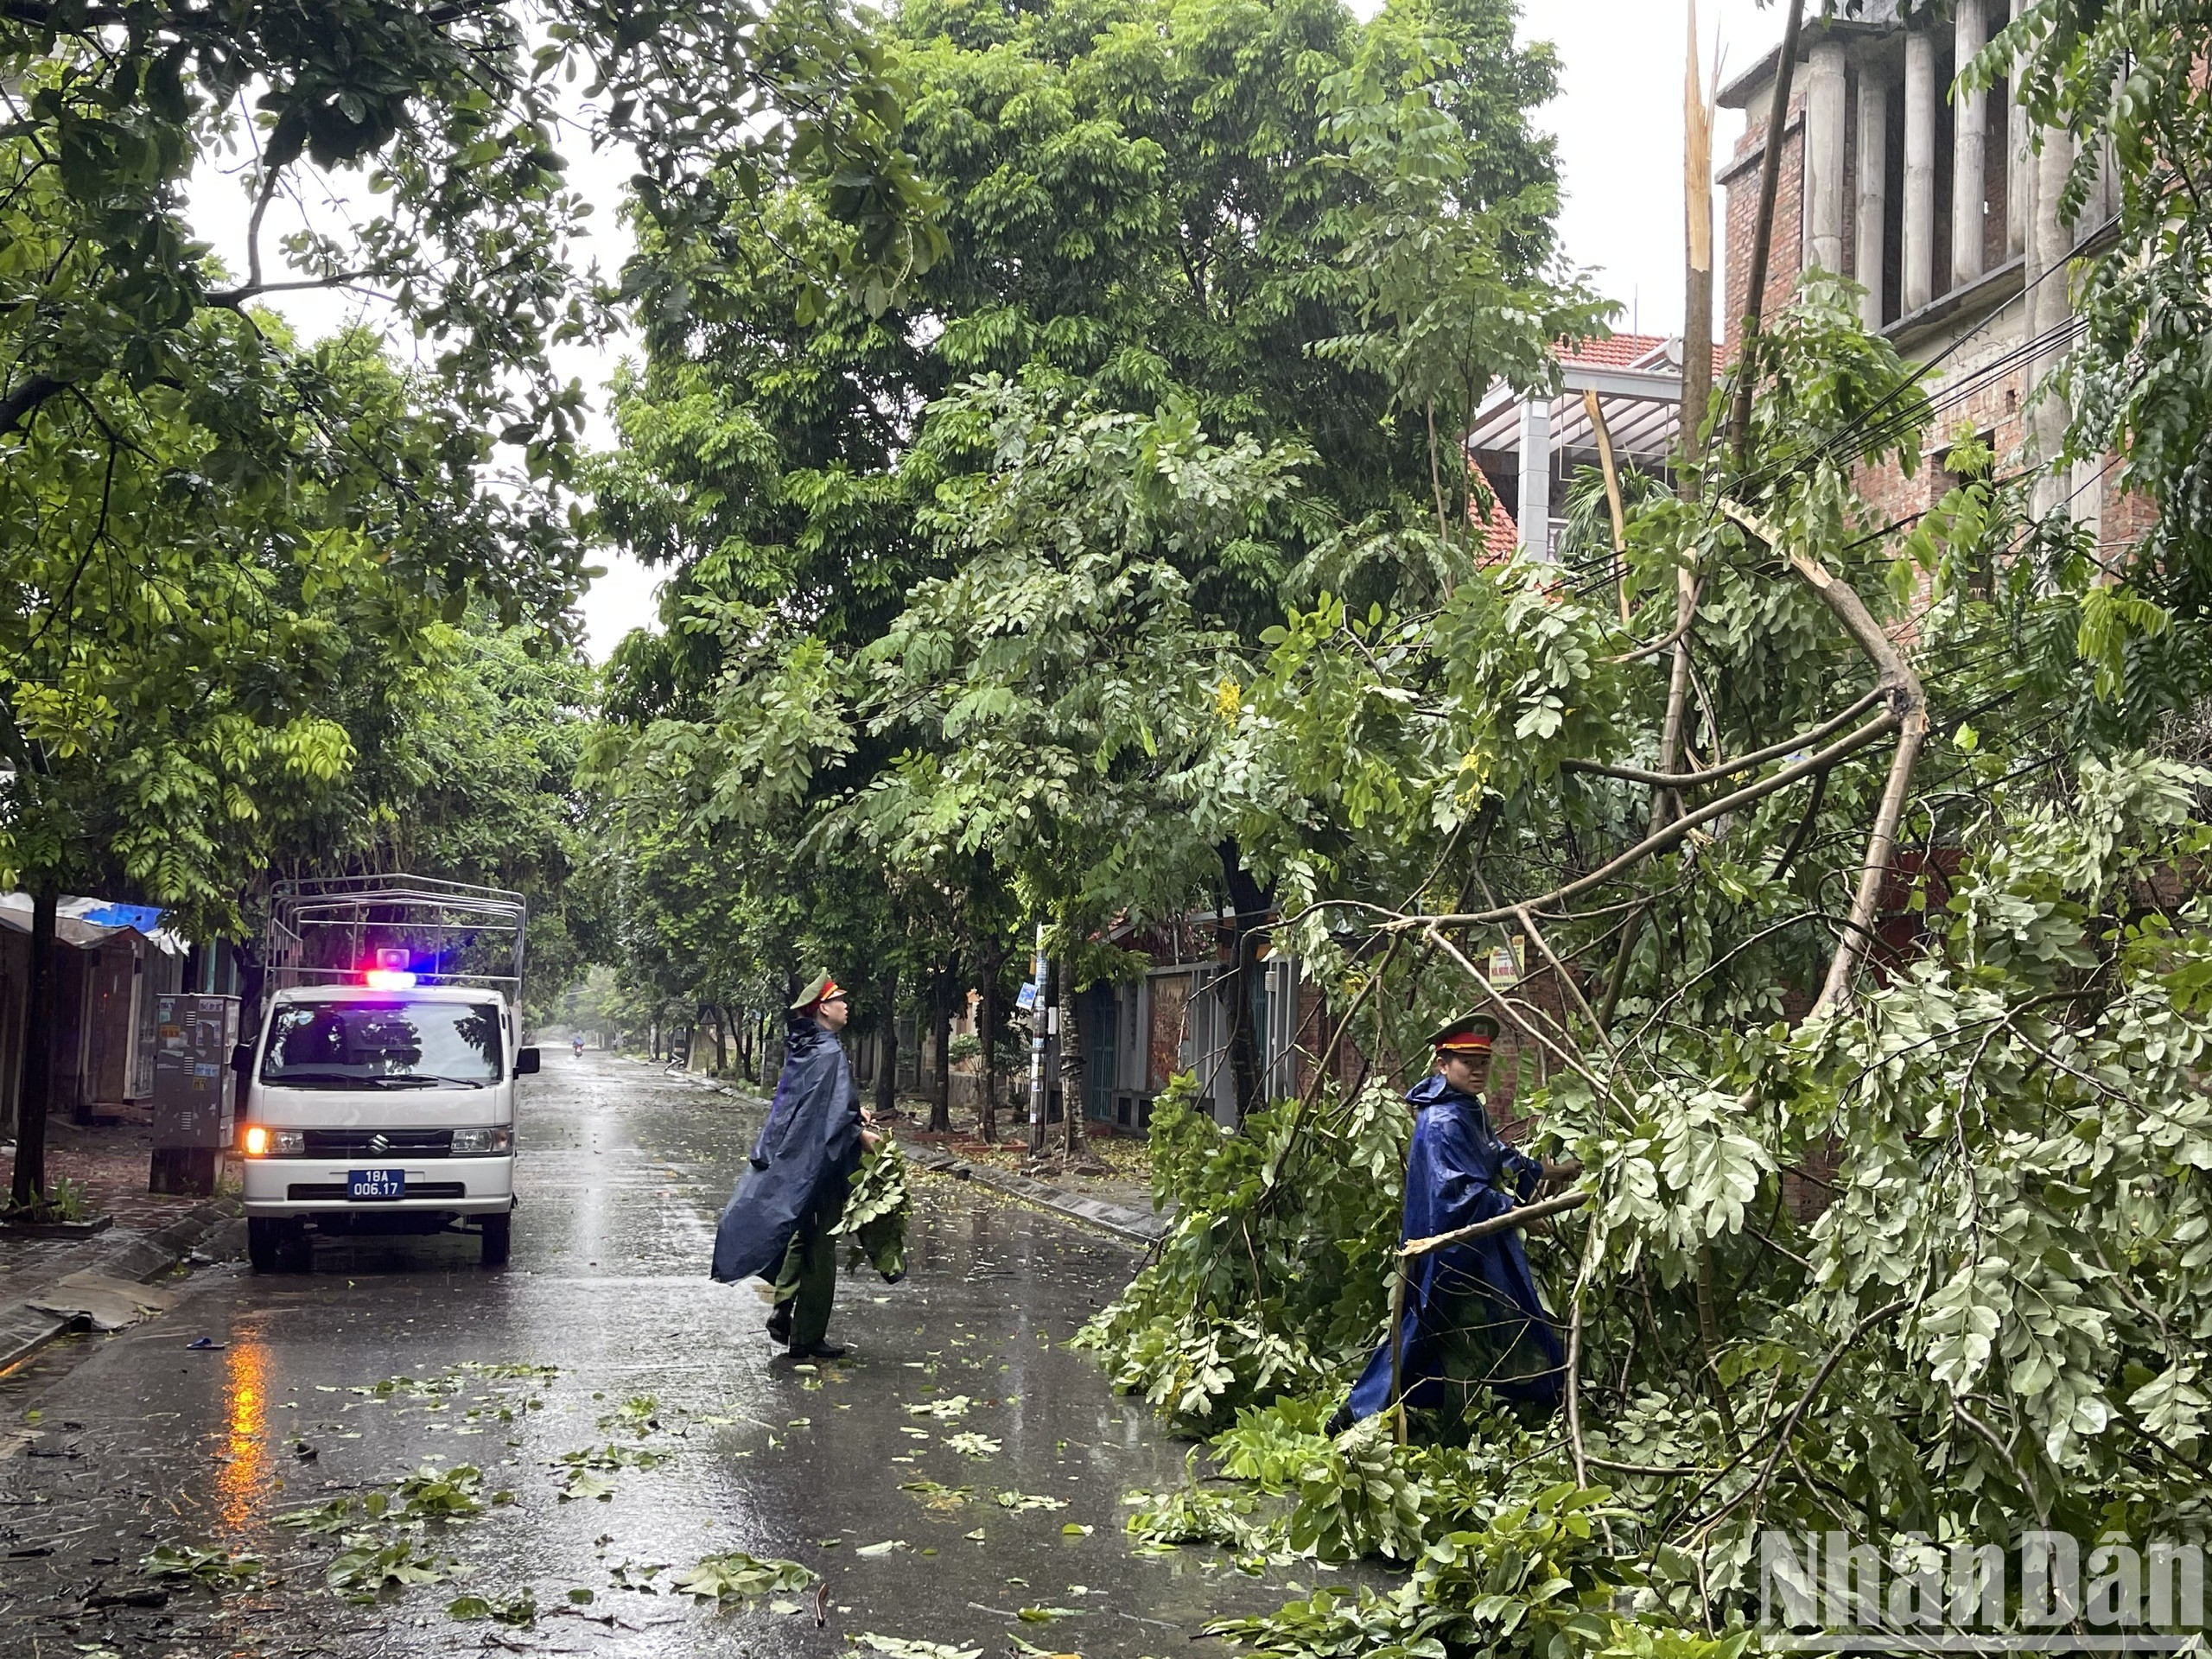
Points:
(1041, 1024)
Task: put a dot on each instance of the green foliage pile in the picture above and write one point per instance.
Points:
(875, 1212)
(1269, 1280)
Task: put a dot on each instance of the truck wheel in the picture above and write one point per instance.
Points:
(263, 1237)
(499, 1236)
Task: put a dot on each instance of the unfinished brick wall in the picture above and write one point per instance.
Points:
(1741, 181)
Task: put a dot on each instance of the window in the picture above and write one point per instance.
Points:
(379, 1045)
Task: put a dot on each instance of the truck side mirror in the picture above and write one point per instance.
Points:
(525, 1062)
(242, 1059)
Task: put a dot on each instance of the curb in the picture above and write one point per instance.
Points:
(23, 1332)
(1137, 1226)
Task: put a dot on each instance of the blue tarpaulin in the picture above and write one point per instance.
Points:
(146, 918)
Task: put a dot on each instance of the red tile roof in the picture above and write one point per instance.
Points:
(1623, 352)
(1500, 534)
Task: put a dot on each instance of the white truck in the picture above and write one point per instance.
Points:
(378, 1087)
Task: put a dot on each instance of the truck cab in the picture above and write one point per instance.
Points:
(380, 1099)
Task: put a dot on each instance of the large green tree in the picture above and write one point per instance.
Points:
(1181, 235)
(186, 491)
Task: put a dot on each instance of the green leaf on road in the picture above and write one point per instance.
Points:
(215, 1568)
(737, 1576)
(900, 1648)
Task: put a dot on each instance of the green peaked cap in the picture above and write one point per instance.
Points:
(1470, 1033)
(820, 990)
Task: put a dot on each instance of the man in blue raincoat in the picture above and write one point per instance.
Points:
(1473, 1319)
(780, 1219)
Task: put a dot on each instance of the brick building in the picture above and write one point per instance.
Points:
(1943, 208)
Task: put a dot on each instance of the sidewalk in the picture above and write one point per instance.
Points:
(151, 1233)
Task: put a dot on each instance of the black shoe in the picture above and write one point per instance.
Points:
(780, 1323)
(819, 1351)
(1338, 1423)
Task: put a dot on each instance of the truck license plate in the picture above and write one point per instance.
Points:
(376, 1183)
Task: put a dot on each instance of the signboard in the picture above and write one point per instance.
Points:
(1026, 998)
(1505, 963)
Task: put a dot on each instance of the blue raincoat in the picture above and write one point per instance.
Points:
(1473, 1316)
(808, 1147)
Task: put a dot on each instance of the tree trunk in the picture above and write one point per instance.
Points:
(721, 1040)
(36, 1079)
(1250, 903)
(1753, 298)
(886, 1057)
(986, 1111)
(1071, 1067)
(940, 1041)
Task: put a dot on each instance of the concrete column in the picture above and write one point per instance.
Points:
(1919, 286)
(2050, 305)
(1970, 132)
(1535, 514)
(1874, 192)
(1825, 81)
(2020, 166)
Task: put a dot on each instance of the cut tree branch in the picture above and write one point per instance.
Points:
(1519, 1216)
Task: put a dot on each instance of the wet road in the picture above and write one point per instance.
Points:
(960, 1466)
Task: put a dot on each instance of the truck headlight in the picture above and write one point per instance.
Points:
(482, 1142)
(260, 1142)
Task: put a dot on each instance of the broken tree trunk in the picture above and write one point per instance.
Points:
(1697, 286)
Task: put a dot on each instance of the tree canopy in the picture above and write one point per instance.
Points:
(936, 573)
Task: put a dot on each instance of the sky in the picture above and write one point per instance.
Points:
(1618, 121)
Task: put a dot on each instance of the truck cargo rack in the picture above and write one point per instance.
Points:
(325, 932)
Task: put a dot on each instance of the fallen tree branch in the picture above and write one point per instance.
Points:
(1789, 1424)
(1742, 763)
(1660, 839)
(1908, 702)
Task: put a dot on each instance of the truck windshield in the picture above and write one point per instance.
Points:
(398, 1044)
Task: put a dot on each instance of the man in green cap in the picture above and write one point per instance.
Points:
(781, 1218)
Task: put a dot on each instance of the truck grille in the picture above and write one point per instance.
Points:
(379, 1143)
(307, 1191)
